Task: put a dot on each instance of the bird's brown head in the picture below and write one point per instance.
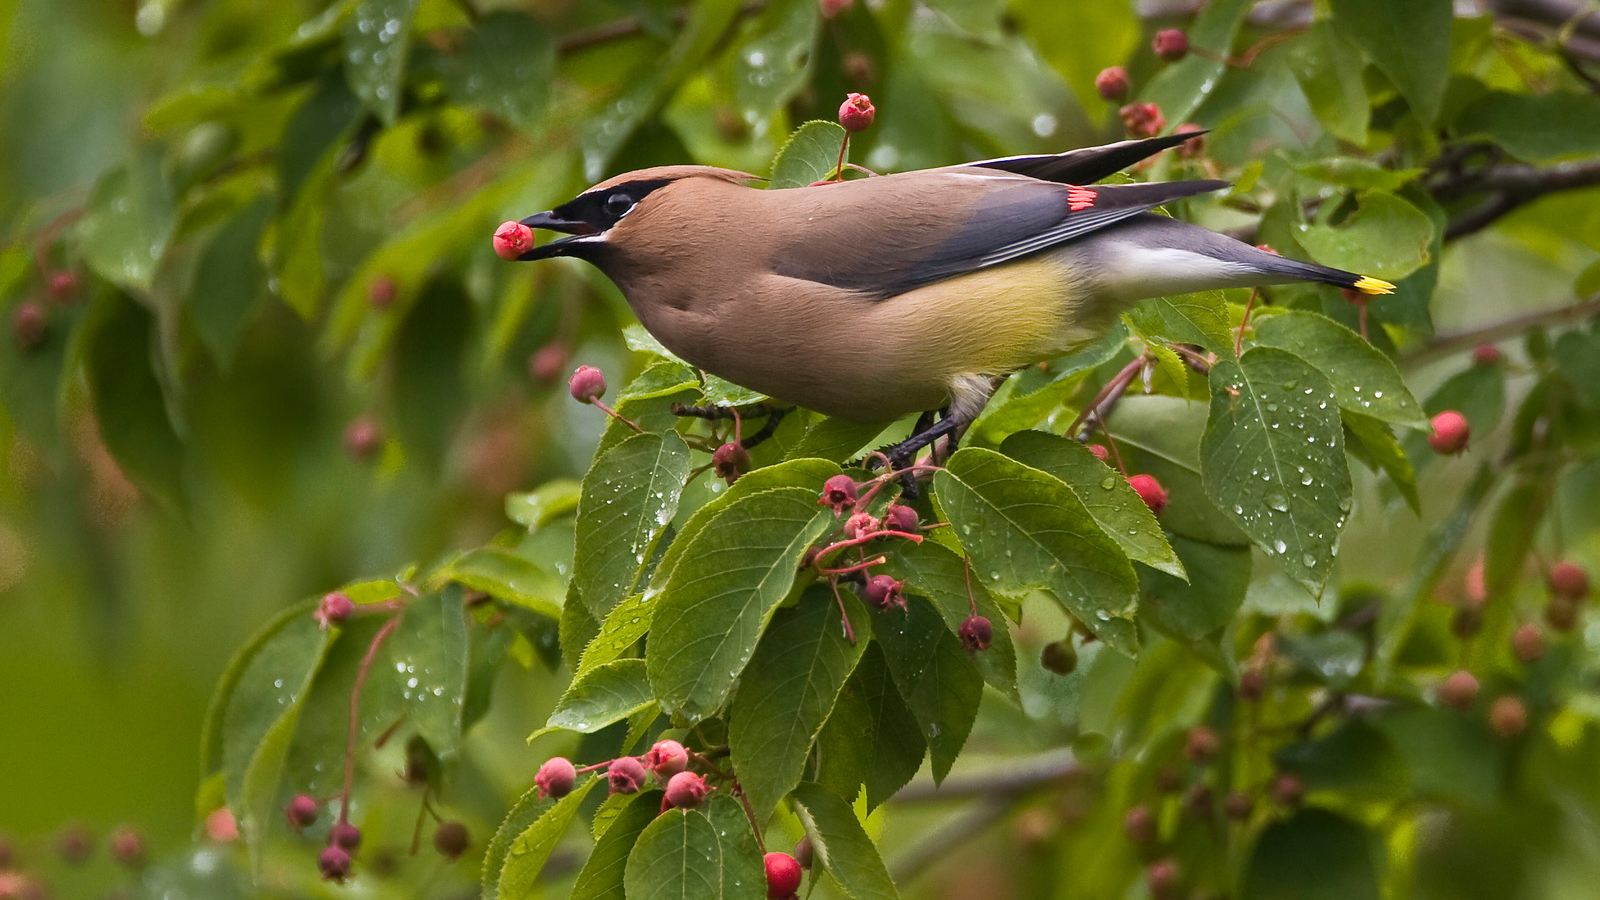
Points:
(590, 216)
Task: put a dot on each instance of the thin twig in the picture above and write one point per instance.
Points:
(355, 714)
(1442, 345)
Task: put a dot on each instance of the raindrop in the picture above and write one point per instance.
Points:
(1280, 546)
(1278, 501)
(1309, 560)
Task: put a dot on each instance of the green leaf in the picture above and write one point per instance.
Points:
(1364, 380)
(697, 854)
(431, 643)
(1200, 318)
(230, 280)
(629, 497)
(934, 674)
(602, 695)
(1357, 172)
(1024, 530)
(213, 735)
(1329, 72)
(129, 221)
(627, 622)
(788, 691)
(602, 875)
(836, 439)
(1161, 435)
(129, 404)
(1477, 392)
(841, 845)
(543, 505)
(1378, 445)
(1410, 42)
(1386, 237)
(808, 157)
(1314, 855)
(507, 576)
(662, 378)
(1200, 608)
(1180, 88)
(504, 68)
(525, 840)
(1029, 397)
(872, 738)
(721, 392)
(1107, 496)
(773, 63)
(1273, 458)
(1538, 128)
(377, 37)
(1511, 529)
(716, 603)
(940, 574)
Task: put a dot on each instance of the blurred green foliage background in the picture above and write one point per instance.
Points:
(288, 358)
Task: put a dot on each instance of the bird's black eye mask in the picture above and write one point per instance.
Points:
(589, 214)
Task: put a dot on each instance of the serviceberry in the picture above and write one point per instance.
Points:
(451, 839)
(686, 790)
(901, 518)
(783, 875)
(667, 758)
(883, 592)
(345, 835)
(838, 492)
(1150, 491)
(300, 812)
(512, 239)
(334, 863)
(976, 633)
(335, 608)
(856, 113)
(626, 775)
(730, 461)
(1508, 716)
(587, 384)
(1112, 83)
(1450, 433)
(1527, 642)
(1459, 690)
(1569, 580)
(1170, 44)
(556, 777)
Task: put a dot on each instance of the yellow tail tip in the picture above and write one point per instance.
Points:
(1369, 285)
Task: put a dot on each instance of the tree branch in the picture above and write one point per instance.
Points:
(1513, 184)
(1442, 345)
(1017, 776)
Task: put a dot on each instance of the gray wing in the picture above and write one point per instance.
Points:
(1088, 165)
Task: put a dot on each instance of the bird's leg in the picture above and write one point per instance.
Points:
(774, 417)
(903, 454)
(713, 412)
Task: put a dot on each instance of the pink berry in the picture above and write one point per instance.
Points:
(626, 775)
(856, 113)
(1252, 684)
(1486, 355)
(1170, 44)
(63, 285)
(1162, 878)
(976, 634)
(1238, 805)
(300, 812)
(221, 826)
(1508, 716)
(1202, 745)
(1527, 642)
(28, 324)
(363, 439)
(556, 777)
(587, 384)
(860, 524)
(335, 608)
(831, 8)
(127, 846)
(686, 790)
(1112, 83)
(730, 461)
(344, 835)
(1142, 119)
(1450, 433)
(667, 758)
(901, 518)
(512, 239)
(334, 863)
(1459, 690)
(1100, 452)
(1287, 790)
(883, 592)
(1569, 580)
(1139, 823)
(1194, 147)
(804, 853)
(783, 874)
(546, 364)
(381, 293)
(1150, 491)
(451, 839)
(839, 492)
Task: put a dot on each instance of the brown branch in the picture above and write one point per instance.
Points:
(1512, 184)
(1019, 776)
(631, 27)
(1442, 345)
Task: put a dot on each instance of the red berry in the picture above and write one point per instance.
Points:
(300, 812)
(1252, 684)
(1162, 879)
(451, 839)
(1194, 147)
(546, 364)
(344, 835)
(1450, 433)
(1569, 580)
(976, 633)
(1459, 690)
(1100, 452)
(1198, 800)
(1476, 587)
(831, 8)
(127, 846)
(334, 863)
(1150, 491)
(838, 492)
(556, 777)
(1059, 657)
(1170, 44)
(1168, 779)
(512, 239)
(1140, 824)
(28, 324)
(74, 844)
(1287, 790)
(626, 775)
(1486, 355)
(804, 853)
(63, 285)
(362, 439)
(667, 758)
(856, 113)
(883, 591)
(901, 518)
(334, 609)
(1238, 805)
(587, 384)
(381, 293)
(861, 524)
(221, 826)
(1508, 716)
(730, 461)
(1527, 642)
(783, 874)
(1142, 119)
(686, 790)
(1112, 83)
(1561, 613)
(1202, 745)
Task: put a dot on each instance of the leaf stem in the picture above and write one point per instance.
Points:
(355, 714)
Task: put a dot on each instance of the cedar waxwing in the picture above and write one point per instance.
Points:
(881, 296)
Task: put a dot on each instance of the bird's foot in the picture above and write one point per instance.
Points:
(773, 415)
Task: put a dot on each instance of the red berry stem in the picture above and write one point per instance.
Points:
(1111, 445)
(844, 617)
(838, 168)
(615, 415)
(1238, 339)
(858, 567)
(744, 801)
(1108, 395)
(966, 572)
(355, 714)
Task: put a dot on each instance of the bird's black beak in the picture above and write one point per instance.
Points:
(552, 222)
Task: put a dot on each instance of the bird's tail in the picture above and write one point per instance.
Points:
(1306, 271)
